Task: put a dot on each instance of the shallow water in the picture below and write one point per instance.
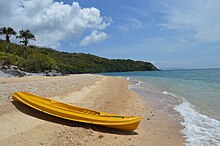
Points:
(194, 94)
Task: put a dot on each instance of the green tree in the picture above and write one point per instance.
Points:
(9, 59)
(38, 62)
(7, 32)
(26, 35)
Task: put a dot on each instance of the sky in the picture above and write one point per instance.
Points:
(169, 34)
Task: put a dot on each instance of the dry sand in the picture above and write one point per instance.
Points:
(21, 125)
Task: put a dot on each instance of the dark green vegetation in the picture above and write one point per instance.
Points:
(24, 35)
(7, 32)
(36, 59)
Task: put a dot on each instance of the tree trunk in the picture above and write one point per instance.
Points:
(7, 38)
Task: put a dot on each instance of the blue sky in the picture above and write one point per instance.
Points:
(170, 34)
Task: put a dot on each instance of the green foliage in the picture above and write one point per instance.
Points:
(38, 62)
(7, 32)
(25, 35)
(9, 59)
(36, 59)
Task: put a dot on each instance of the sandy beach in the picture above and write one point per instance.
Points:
(21, 125)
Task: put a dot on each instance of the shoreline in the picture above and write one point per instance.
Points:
(102, 93)
(168, 121)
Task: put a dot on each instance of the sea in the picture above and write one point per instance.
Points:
(192, 93)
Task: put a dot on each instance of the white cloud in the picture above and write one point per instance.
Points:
(199, 18)
(131, 25)
(95, 36)
(52, 22)
(136, 10)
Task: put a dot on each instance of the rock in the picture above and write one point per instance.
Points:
(13, 67)
(16, 73)
(52, 73)
(12, 70)
(4, 75)
(100, 136)
(4, 67)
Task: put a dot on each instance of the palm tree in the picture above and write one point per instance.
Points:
(7, 32)
(26, 35)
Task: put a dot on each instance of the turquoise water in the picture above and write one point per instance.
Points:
(199, 92)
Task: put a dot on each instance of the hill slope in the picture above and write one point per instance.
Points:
(36, 59)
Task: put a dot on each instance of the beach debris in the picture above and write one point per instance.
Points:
(101, 136)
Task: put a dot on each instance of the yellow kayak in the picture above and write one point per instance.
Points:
(78, 114)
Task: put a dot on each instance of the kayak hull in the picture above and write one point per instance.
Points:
(74, 113)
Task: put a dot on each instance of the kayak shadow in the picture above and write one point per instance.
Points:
(40, 115)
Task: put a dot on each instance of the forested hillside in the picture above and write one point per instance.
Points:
(36, 59)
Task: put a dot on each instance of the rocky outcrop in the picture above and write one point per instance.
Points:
(52, 73)
(12, 71)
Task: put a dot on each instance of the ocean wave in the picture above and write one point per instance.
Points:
(169, 93)
(138, 83)
(199, 129)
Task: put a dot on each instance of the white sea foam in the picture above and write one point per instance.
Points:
(139, 83)
(169, 93)
(128, 78)
(134, 85)
(200, 130)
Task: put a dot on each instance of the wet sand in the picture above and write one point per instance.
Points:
(21, 125)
